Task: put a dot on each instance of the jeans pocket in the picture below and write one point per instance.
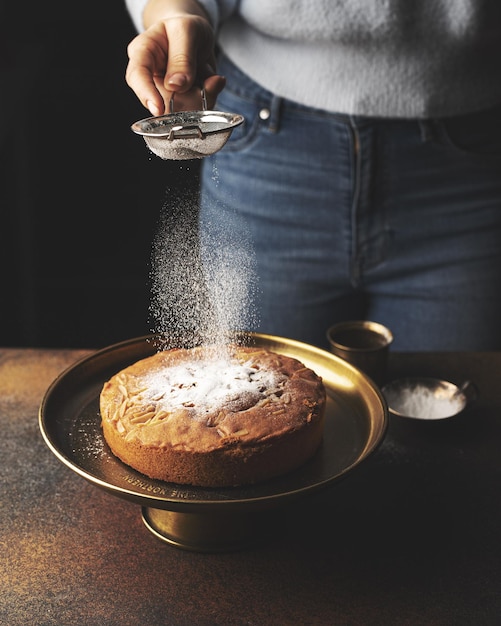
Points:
(476, 134)
(248, 132)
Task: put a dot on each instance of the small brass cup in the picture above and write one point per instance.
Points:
(364, 344)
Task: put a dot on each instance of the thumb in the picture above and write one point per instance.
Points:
(182, 56)
(180, 73)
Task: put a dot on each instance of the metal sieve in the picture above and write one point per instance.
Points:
(187, 134)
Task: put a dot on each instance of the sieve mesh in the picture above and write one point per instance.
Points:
(187, 134)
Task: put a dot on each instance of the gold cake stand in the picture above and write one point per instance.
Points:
(197, 518)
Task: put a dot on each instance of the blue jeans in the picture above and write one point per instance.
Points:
(397, 221)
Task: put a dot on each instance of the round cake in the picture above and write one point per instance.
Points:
(194, 416)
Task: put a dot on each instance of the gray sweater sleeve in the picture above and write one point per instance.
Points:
(217, 10)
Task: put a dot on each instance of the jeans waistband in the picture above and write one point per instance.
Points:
(246, 87)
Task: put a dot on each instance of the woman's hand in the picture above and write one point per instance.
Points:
(175, 54)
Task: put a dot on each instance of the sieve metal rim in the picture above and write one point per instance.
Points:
(187, 120)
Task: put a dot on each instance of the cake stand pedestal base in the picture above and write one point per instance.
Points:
(210, 531)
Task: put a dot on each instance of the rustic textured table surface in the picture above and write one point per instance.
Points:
(413, 536)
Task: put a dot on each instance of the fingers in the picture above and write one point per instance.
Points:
(146, 69)
(173, 55)
(214, 85)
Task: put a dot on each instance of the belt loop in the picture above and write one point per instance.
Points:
(275, 113)
(426, 129)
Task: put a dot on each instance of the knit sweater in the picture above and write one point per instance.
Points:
(378, 58)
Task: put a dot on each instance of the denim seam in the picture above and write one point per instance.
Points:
(355, 149)
(275, 114)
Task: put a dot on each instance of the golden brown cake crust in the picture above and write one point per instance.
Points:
(189, 416)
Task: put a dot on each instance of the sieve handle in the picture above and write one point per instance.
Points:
(203, 95)
(185, 132)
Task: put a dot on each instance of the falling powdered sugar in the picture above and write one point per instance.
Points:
(203, 286)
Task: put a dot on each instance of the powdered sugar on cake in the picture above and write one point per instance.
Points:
(206, 385)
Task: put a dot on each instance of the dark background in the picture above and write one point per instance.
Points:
(80, 195)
